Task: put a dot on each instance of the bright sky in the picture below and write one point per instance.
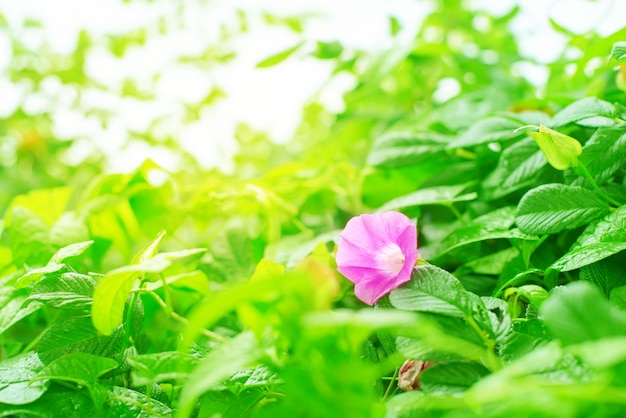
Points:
(269, 100)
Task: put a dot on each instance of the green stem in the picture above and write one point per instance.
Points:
(456, 213)
(390, 385)
(181, 319)
(494, 361)
(583, 170)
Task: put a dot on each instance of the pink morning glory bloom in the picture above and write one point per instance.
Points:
(377, 252)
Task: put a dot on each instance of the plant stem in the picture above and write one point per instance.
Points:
(181, 319)
(583, 170)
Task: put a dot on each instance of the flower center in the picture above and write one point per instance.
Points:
(391, 259)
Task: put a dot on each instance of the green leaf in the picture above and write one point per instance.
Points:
(441, 195)
(605, 152)
(451, 377)
(579, 312)
(159, 367)
(30, 241)
(518, 167)
(58, 401)
(442, 338)
(618, 297)
(493, 129)
(279, 57)
(80, 368)
(128, 403)
(618, 54)
(35, 274)
(397, 149)
(68, 251)
(552, 208)
(328, 50)
(607, 274)
(110, 296)
(67, 291)
(432, 289)
(217, 366)
(149, 251)
(77, 334)
(16, 373)
(12, 307)
(249, 378)
(599, 240)
(586, 112)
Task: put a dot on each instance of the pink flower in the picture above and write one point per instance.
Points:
(377, 252)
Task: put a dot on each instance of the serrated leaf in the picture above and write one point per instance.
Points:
(111, 294)
(493, 129)
(552, 208)
(492, 225)
(128, 403)
(607, 274)
(68, 291)
(149, 251)
(599, 240)
(587, 108)
(249, 378)
(618, 54)
(605, 152)
(397, 149)
(453, 376)
(441, 195)
(77, 334)
(68, 251)
(80, 368)
(432, 289)
(12, 307)
(278, 57)
(159, 367)
(15, 379)
(35, 274)
(518, 167)
(30, 241)
(569, 315)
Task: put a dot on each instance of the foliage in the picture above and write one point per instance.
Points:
(193, 292)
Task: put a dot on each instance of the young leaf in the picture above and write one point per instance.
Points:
(68, 251)
(618, 54)
(279, 57)
(599, 240)
(16, 373)
(30, 241)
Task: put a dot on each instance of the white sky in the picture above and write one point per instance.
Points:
(269, 100)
